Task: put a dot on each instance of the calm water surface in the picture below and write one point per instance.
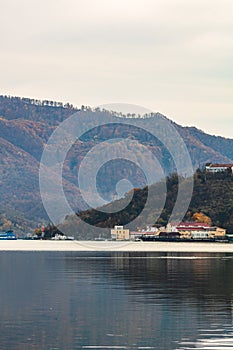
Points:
(89, 300)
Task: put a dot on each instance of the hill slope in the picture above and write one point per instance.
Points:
(212, 196)
(25, 127)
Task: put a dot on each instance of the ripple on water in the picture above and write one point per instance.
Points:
(218, 339)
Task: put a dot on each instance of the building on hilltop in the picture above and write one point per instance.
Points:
(216, 168)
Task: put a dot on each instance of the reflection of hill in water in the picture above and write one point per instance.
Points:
(70, 300)
(177, 275)
(178, 295)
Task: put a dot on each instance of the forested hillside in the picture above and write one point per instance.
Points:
(212, 197)
(25, 127)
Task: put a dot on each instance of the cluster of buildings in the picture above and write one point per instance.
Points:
(178, 231)
(185, 231)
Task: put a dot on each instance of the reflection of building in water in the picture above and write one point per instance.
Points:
(150, 296)
(119, 233)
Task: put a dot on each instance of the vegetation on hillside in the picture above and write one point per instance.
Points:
(212, 202)
(26, 125)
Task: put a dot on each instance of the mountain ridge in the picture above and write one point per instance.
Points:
(26, 125)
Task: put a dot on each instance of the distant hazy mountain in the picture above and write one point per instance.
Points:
(25, 126)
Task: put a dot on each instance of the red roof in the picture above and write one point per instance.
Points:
(192, 226)
(141, 233)
(220, 165)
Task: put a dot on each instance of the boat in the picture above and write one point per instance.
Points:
(8, 235)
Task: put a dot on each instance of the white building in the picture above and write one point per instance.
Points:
(216, 168)
(118, 233)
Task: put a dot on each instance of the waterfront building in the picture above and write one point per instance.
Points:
(8, 235)
(196, 230)
(119, 233)
(187, 231)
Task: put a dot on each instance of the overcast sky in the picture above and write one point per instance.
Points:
(171, 56)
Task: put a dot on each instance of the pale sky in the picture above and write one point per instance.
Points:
(170, 56)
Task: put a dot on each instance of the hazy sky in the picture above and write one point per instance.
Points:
(171, 56)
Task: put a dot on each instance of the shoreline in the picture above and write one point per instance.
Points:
(107, 246)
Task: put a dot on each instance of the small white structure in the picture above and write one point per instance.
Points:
(118, 233)
(171, 228)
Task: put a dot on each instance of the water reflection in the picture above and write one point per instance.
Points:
(116, 300)
(217, 337)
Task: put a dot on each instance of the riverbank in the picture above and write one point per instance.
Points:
(24, 245)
